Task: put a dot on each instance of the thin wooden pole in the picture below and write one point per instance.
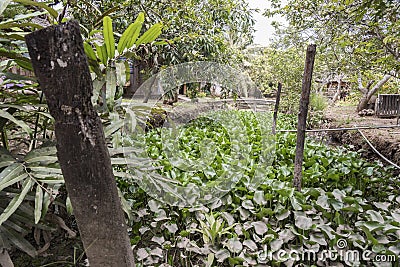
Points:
(303, 110)
(62, 70)
(278, 99)
(342, 129)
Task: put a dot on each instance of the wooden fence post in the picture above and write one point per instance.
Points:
(302, 118)
(61, 67)
(278, 99)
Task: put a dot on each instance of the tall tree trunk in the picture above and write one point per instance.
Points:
(61, 66)
(368, 93)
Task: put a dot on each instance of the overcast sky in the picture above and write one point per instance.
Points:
(263, 27)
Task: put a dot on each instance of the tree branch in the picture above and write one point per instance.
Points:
(378, 85)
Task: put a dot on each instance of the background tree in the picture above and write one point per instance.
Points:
(364, 32)
(193, 30)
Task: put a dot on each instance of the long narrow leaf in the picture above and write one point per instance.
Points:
(106, 13)
(113, 127)
(139, 21)
(12, 180)
(6, 158)
(125, 206)
(25, 16)
(51, 11)
(111, 86)
(3, 5)
(108, 35)
(10, 172)
(12, 55)
(150, 35)
(20, 123)
(38, 203)
(40, 152)
(19, 241)
(16, 201)
(68, 204)
(14, 24)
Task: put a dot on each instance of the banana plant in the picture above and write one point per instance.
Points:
(107, 59)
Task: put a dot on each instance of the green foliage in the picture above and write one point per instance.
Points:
(268, 66)
(318, 102)
(343, 196)
(353, 37)
(111, 67)
(192, 30)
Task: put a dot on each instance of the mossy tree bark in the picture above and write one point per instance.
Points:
(61, 67)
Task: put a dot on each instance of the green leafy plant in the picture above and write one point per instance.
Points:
(343, 196)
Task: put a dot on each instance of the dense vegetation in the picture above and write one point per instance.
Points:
(344, 197)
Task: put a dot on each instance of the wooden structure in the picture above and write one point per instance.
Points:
(387, 105)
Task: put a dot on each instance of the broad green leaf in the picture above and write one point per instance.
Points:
(276, 245)
(24, 64)
(234, 245)
(51, 11)
(322, 201)
(303, 222)
(318, 238)
(108, 35)
(45, 170)
(210, 260)
(259, 197)
(260, 227)
(222, 254)
(283, 214)
(38, 203)
(16, 201)
(20, 123)
(375, 216)
(130, 121)
(17, 77)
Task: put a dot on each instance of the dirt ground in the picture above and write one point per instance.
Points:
(386, 141)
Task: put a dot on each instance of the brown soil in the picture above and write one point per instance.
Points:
(386, 141)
